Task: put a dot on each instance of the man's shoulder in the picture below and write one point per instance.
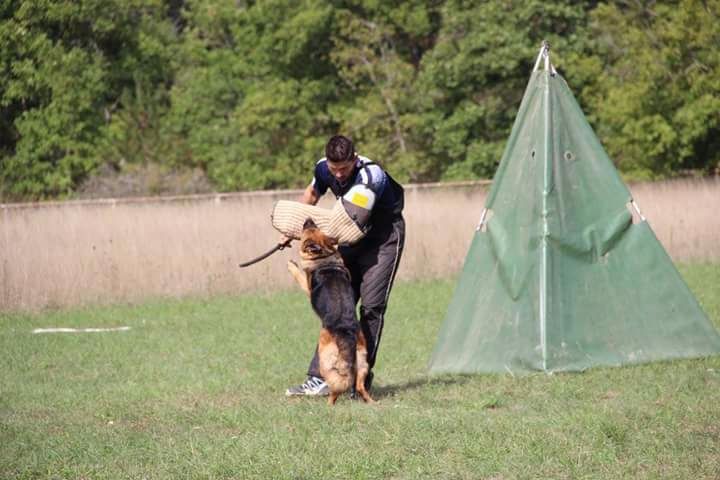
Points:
(321, 168)
(371, 173)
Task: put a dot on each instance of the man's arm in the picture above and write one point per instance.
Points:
(309, 196)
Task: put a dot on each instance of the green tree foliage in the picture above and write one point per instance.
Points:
(475, 76)
(249, 91)
(654, 85)
(251, 101)
(64, 67)
(377, 52)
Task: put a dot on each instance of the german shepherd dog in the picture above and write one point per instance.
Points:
(342, 349)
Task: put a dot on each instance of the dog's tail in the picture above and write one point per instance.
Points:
(337, 358)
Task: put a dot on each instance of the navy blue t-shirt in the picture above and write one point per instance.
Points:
(368, 187)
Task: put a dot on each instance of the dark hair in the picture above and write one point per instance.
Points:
(339, 149)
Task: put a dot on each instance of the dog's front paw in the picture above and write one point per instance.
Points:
(293, 267)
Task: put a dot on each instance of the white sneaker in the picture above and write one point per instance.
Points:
(313, 387)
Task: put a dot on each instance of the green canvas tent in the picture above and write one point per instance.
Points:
(563, 272)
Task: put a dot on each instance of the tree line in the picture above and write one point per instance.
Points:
(249, 91)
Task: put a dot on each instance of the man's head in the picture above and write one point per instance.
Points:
(341, 157)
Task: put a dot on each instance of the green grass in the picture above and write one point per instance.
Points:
(196, 390)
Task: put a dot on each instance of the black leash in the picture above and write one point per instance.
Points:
(277, 247)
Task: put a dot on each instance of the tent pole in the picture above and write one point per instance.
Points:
(543, 53)
(547, 187)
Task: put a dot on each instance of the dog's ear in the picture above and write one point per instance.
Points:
(309, 223)
(333, 241)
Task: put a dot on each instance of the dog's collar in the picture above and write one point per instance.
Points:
(334, 266)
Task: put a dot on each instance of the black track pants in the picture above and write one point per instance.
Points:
(373, 263)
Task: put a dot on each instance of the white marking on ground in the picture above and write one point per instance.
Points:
(80, 330)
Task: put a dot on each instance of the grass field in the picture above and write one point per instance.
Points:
(195, 390)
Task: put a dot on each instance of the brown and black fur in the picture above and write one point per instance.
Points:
(342, 349)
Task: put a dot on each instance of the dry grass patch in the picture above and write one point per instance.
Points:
(81, 253)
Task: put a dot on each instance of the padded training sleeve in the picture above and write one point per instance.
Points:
(288, 218)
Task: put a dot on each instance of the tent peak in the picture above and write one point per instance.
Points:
(544, 54)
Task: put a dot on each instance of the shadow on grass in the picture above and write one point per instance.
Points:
(384, 391)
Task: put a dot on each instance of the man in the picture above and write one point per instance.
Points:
(375, 202)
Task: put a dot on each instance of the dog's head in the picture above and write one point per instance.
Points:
(314, 243)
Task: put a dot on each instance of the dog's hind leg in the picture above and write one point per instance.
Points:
(362, 367)
(332, 398)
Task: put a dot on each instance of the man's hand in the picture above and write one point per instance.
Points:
(285, 241)
(309, 196)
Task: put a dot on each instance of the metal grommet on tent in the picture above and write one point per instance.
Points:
(482, 220)
(634, 209)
